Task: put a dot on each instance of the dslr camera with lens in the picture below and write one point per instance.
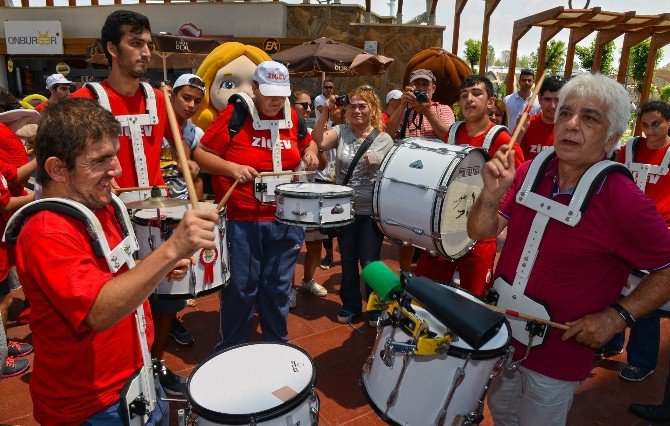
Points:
(342, 99)
(421, 96)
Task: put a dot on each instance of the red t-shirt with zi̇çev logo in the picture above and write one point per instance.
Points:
(658, 187)
(152, 135)
(252, 148)
(539, 136)
(77, 371)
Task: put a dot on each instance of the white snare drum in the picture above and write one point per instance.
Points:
(210, 271)
(314, 205)
(634, 280)
(255, 383)
(425, 194)
(428, 390)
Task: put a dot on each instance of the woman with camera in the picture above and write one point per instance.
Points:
(361, 146)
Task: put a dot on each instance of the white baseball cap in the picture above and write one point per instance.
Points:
(393, 94)
(272, 78)
(55, 79)
(191, 80)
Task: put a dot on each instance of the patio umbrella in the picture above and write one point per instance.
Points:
(169, 52)
(325, 56)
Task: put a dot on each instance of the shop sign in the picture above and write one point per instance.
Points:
(63, 68)
(34, 37)
(10, 65)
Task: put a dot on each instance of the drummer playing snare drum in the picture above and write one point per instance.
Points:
(85, 336)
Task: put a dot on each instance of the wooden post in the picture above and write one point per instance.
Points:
(483, 55)
(576, 35)
(547, 34)
(629, 40)
(657, 42)
(458, 9)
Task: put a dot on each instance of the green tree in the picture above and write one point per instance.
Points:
(555, 59)
(585, 57)
(473, 49)
(527, 61)
(638, 62)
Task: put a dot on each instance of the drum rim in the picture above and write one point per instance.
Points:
(478, 354)
(315, 226)
(341, 193)
(182, 296)
(261, 416)
(378, 411)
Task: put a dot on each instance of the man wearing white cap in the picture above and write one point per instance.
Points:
(263, 252)
(59, 87)
(392, 104)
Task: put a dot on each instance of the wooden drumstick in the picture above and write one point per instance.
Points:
(224, 200)
(144, 188)
(287, 173)
(526, 317)
(526, 112)
(181, 154)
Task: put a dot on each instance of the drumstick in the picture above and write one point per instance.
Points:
(526, 317)
(181, 154)
(526, 112)
(224, 200)
(287, 173)
(144, 188)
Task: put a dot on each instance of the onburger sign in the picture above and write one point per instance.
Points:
(34, 37)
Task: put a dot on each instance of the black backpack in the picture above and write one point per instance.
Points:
(241, 112)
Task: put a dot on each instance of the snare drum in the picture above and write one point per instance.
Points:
(314, 205)
(634, 280)
(255, 383)
(210, 271)
(437, 389)
(425, 194)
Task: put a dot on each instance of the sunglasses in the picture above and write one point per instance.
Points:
(304, 105)
(328, 87)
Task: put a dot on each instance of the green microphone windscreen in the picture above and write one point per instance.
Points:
(381, 279)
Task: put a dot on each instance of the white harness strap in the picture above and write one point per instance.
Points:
(513, 297)
(273, 125)
(116, 258)
(643, 172)
(134, 125)
(488, 139)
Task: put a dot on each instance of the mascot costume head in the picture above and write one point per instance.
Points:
(227, 70)
(449, 71)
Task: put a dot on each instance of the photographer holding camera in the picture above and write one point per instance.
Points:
(424, 118)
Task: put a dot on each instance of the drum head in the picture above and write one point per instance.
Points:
(314, 190)
(171, 213)
(493, 348)
(257, 380)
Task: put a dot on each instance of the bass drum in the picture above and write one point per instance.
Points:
(425, 193)
(270, 384)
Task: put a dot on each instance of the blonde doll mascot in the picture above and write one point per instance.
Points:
(227, 70)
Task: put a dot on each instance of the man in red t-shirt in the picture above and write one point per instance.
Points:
(474, 268)
(59, 88)
(539, 132)
(263, 252)
(82, 318)
(576, 272)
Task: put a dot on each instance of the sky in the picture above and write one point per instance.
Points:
(508, 11)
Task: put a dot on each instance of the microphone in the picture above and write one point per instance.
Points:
(382, 280)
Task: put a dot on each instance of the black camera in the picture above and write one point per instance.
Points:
(342, 100)
(421, 96)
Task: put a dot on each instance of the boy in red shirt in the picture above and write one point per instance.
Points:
(540, 128)
(476, 97)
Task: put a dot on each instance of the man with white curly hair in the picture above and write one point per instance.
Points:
(575, 227)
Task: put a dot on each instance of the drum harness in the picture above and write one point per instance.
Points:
(644, 171)
(491, 135)
(512, 296)
(138, 397)
(134, 124)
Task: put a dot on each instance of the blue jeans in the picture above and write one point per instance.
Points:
(112, 415)
(643, 342)
(263, 256)
(3, 347)
(360, 242)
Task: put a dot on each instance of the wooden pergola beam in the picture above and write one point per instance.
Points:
(483, 54)
(658, 41)
(458, 9)
(398, 14)
(519, 31)
(547, 34)
(602, 39)
(576, 35)
(630, 40)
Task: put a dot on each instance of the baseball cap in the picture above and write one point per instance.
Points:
(393, 94)
(272, 78)
(55, 79)
(422, 73)
(191, 80)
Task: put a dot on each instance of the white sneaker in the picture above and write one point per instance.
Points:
(314, 288)
(292, 298)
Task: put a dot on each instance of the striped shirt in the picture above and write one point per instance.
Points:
(424, 129)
